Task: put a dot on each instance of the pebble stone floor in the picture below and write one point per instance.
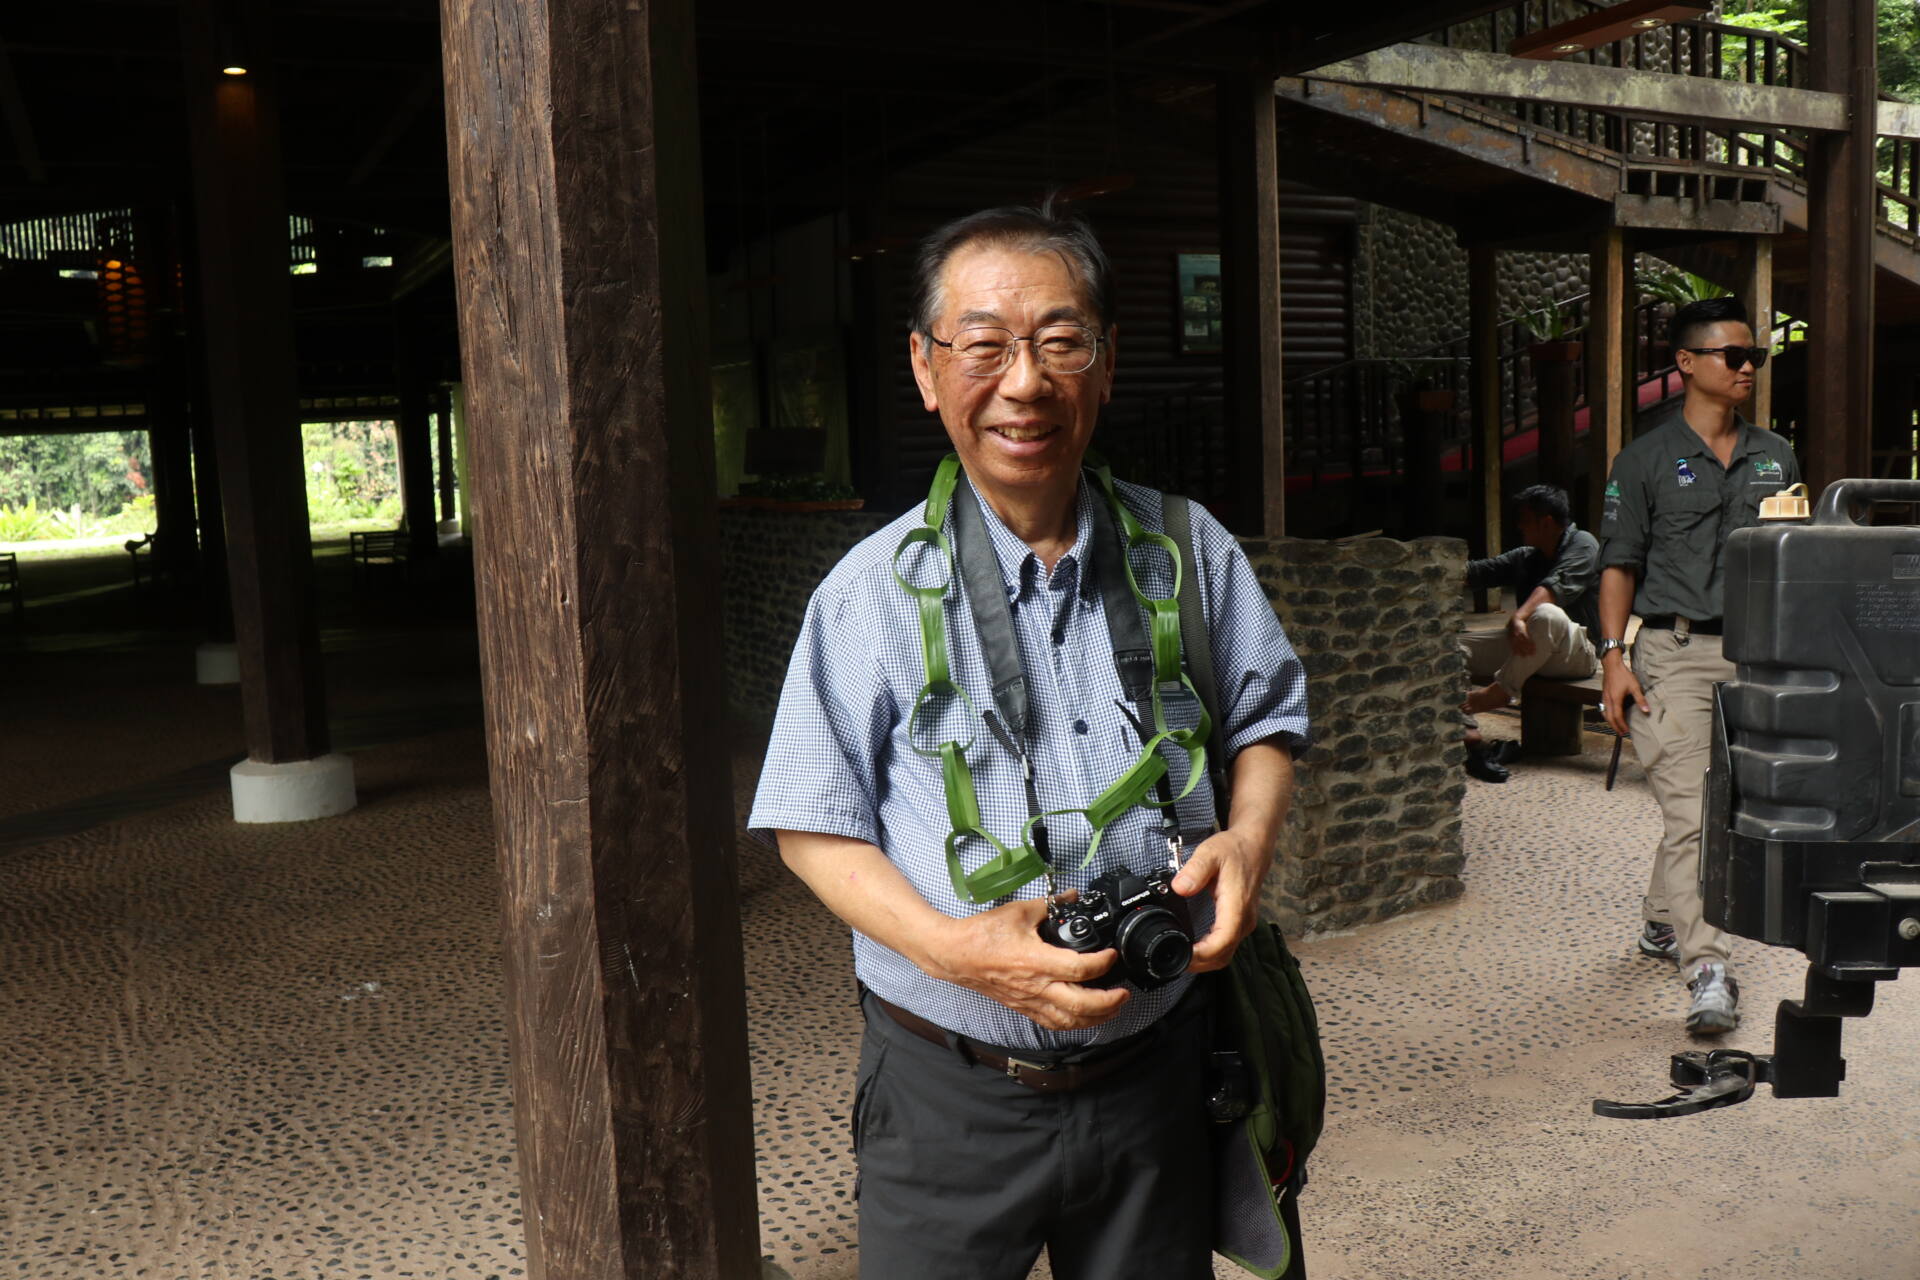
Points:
(277, 1052)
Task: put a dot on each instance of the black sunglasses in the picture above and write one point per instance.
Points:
(1734, 356)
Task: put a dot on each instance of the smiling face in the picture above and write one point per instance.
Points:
(1709, 375)
(1021, 432)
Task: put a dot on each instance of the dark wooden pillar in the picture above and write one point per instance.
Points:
(1554, 386)
(1250, 301)
(1756, 290)
(575, 168)
(247, 317)
(1483, 349)
(415, 438)
(1609, 385)
(1842, 191)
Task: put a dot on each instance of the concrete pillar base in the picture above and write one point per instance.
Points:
(216, 664)
(296, 791)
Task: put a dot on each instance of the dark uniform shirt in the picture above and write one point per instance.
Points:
(1671, 506)
(1571, 573)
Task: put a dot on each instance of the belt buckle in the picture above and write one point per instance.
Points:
(1015, 1064)
(1682, 630)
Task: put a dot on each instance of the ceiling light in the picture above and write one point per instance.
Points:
(1567, 48)
(1645, 23)
(233, 71)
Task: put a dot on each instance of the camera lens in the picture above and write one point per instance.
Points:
(1154, 948)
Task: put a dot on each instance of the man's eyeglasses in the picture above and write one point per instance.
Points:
(1058, 348)
(1734, 356)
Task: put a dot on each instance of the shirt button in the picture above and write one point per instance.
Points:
(1079, 726)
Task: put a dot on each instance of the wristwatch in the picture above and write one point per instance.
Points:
(1607, 646)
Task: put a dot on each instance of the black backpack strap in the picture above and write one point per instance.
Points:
(992, 618)
(1195, 645)
(1132, 658)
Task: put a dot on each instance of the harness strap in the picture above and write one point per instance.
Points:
(1197, 646)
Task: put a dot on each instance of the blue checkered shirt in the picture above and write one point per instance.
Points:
(840, 761)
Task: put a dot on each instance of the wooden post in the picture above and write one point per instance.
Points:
(246, 311)
(1483, 339)
(1842, 190)
(1554, 394)
(415, 438)
(575, 182)
(1756, 290)
(1250, 301)
(1609, 386)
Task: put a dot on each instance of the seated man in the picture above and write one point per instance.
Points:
(1553, 575)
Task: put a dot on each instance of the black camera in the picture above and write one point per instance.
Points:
(1140, 916)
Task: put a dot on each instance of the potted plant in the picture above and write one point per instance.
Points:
(1549, 325)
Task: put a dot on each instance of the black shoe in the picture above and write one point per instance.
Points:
(1480, 765)
(1505, 751)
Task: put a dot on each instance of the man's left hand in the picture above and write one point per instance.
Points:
(1233, 867)
(1519, 638)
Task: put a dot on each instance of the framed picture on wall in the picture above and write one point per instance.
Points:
(1197, 313)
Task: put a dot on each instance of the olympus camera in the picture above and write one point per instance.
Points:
(1140, 916)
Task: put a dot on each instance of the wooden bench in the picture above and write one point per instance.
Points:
(1550, 715)
(377, 549)
(10, 582)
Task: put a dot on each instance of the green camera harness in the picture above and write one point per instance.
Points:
(1013, 866)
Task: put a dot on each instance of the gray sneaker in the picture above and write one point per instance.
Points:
(1715, 1009)
(1657, 940)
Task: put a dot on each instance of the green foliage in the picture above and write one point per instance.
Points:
(353, 472)
(98, 472)
(24, 523)
(1899, 38)
(813, 488)
(1549, 322)
(1676, 287)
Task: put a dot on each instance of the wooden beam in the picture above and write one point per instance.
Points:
(19, 125)
(1756, 290)
(580, 276)
(1898, 120)
(1603, 27)
(247, 305)
(1609, 388)
(1250, 301)
(1842, 190)
(1483, 349)
(1643, 95)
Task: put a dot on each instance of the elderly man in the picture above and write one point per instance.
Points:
(1690, 478)
(954, 732)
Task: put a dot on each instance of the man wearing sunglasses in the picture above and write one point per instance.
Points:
(1694, 473)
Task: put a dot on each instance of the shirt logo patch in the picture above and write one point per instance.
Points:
(1683, 472)
(1613, 488)
(1767, 469)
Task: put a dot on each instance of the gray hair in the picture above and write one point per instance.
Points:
(1035, 230)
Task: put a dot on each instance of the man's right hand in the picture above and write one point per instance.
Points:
(1000, 954)
(1519, 636)
(1618, 684)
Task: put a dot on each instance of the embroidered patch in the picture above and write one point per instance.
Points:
(1767, 469)
(1613, 488)
(1683, 472)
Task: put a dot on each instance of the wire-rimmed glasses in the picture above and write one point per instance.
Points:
(1057, 348)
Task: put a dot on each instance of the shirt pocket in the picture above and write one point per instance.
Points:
(1679, 512)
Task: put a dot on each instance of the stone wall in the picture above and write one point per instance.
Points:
(770, 562)
(1375, 827)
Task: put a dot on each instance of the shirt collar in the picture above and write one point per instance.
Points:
(1018, 563)
(1690, 444)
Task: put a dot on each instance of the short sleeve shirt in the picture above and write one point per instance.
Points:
(1670, 507)
(842, 758)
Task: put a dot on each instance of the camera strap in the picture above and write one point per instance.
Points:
(1147, 661)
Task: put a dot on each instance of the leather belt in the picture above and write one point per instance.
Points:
(1698, 626)
(1039, 1076)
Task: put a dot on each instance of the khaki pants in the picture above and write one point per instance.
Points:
(1561, 651)
(1673, 742)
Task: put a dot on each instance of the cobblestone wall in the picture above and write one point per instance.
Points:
(770, 563)
(1375, 827)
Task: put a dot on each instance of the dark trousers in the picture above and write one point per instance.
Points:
(966, 1174)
